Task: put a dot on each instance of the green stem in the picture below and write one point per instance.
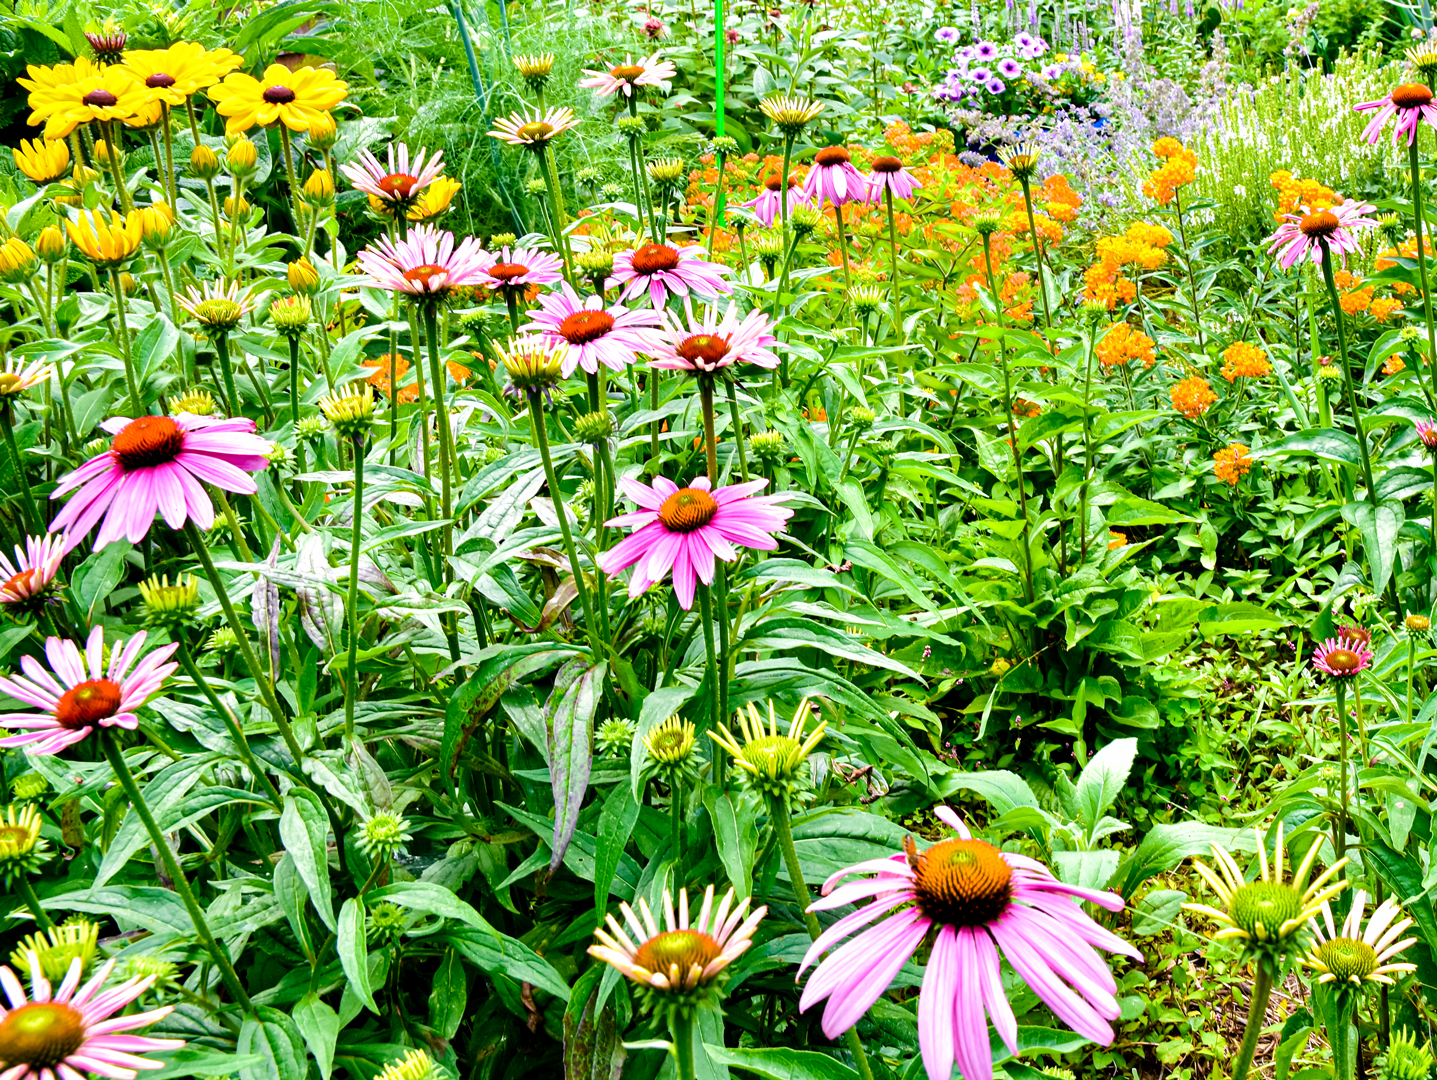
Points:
(556, 200)
(1188, 259)
(109, 741)
(778, 813)
(1416, 169)
(682, 1030)
(842, 245)
(294, 401)
(1339, 840)
(1037, 250)
(706, 614)
(676, 826)
(122, 331)
(174, 189)
(716, 216)
(236, 729)
(27, 893)
(706, 403)
(34, 521)
(1256, 1018)
(541, 442)
(737, 428)
(1347, 372)
(113, 158)
(294, 193)
(893, 264)
(222, 350)
(351, 678)
(441, 420)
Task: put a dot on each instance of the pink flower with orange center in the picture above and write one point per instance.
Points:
(888, 174)
(666, 270)
(1342, 657)
(713, 342)
(627, 77)
(1411, 103)
(400, 180)
(1304, 236)
(833, 178)
(594, 334)
(765, 205)
(425, 265)
(28, 579)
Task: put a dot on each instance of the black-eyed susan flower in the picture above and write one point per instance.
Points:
(174, 74)
(42, 160)
(295, 99)
(67, 95)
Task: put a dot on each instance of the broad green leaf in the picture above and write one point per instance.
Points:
(318, 1024)
(616, 824)
(147, 907)
(272, 1037)
(291, 895)
(1168, 844)
(195, 1060)
(734, 815)
(1135, 511)
(786, 633)
(1327, 443)
(569, 717)
(449, 995)
(304, 830)
(491, 951)
(1379, 526)
(781, 1063)
(1103, 780)
(353, 949)
(427, 896)
(1006, 791)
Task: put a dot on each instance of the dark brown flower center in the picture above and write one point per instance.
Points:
(398, 184)
(147, 442)
(687, 509)
(41, 1034)
(961, 882)
(424, 274)
(704, 350)
(278, 95)
(887, 164)
(99, 99)
(1319, 224)
(1411, 96)
(538, 131)
(682, 947)
(583, 327)
(1343, 660)
(160, 81)
(651, 258)
(84, 706)
(508, 271)
(626, 72)
(832, 155)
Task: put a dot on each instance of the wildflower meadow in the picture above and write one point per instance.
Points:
(602, 539)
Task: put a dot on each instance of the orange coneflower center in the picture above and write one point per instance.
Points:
(147, 442)
(424, 274)
(583, 327)
(278, 95)
(684, 948)
(687, 509)
(41, 1034)
(961, 882)
(100, 98)
(651, 258)
(1411, 96)
(23, 583)
(537, 131)
(626, 71)
(398, 184)
(1344, 661)
(508, 271)
(708, 348)
(887, 164)
(832, 155)
(160, 81)
(87, 704)
(1319, 224)
(772, 183)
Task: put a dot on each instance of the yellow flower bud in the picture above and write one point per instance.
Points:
(323, 133)
(204, 162)
(230, 209)
(156, 223)
(242, 158)
(319, 188)
(51, 245)
(43, 160)
(17, 261)
(303, 277)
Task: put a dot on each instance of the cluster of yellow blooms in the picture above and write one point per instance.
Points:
(1141, 246)
(1122, 344)
(1244, 361)
(1179, 167)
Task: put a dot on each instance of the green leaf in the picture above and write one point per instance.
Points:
(1327, 443)
(1155, 912)
(853, 498)
(1006, 791)
(569, 716)
(781, 1063)
(194, 1060)
(616, 824)
(1135, 511)
(788, 633)
(1379, 526)
(1237, 618)
(318, 1024)
(304, 831)
(449, 995)
(491, 951)
(353, 949)
(272, 1037)
(1103, 780)
(148, 907)
(291, 894)
(864, 554)
(1293, 1037)
(430, 897)
(1402, 482)
(1168, 844)
(734, 816)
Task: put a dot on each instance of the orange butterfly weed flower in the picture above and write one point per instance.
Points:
(1122, 344)
(1232, 463)
(1244, 361)
(1192, 397)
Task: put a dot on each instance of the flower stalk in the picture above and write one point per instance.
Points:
(1415, 168)
(122, 331)
(541, 443)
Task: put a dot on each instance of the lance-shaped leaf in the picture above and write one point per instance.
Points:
(569, 718)
(321, 610)
(264, 608)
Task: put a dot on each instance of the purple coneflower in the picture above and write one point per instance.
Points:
(667, 269)
(765, 205)
(1411, 103)
(594, 334)
(427, 263)
(400, 180)
(625, 77)
(159, 463)
(82, 693)
(1355, 954)
(70, 1033)
(521, 267)
(683, 954)
(28, 579)
(684, 530)
(981, 902)
(534, 130)
(1427, 432)
(713, 342)
(1303, 236)
(1342, 657)
(833, 178)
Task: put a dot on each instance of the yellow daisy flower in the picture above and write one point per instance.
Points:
(293, 98)
(43, 160)
(184, 69)
(64, 99)
(434, 199)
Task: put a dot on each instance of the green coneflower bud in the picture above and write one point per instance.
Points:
(492, 454)
(195, 401)
(95, 446)
(415, 1065)
(861, 417)
(30, 785)
(724, 145)
(1021, 160)
(311, 428)
(1409, 335)
(382, 834)
(611, 192)
(1330, 373)
(804, 220)
(615, 737)
(1405, 1059)
(290, 315)
(351, 411)
(767, 444)
(1423, 57)
(588, 176)
(58, 948)
(866, 299)
(221, 641)
(387, 919)
(535, 186)
(1392, 226)
(774, 763)
(533, 364)
(768, 246)
(671, 751)
(502, 240)
(1096, 311)
(143, 967)
(987, 222)
(278, 454)
(170, 605)
(790, 113)
(594, 427)
(595, 263)
(666, 170)
(22, 849)
(631, 127)
(219, 313)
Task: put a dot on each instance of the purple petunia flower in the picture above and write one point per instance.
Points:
(996, 86)
(946, 34)
(1009, 68)
(985, 50)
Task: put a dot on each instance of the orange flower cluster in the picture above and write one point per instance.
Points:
(1025, 408)
(1293, 192)
(1192, 397)
(1179, 167)
(380, 379)
(1121, 344)
(1394, 365)
(1116, 540)
(1384, 307)
(1142, 245)
(1357, 297)
(1232, 464)
(1244, 361)
(1058, 199)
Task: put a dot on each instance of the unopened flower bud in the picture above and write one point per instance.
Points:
(17, 261)
(861, 417)
(595, 263)
(351, 412)
(594, 427)
(724, 145)
(241, 159)
(323, 133)
(804, 220)
(196, 401)
(502, 240)
(204, 163)
(631, 127)
(666, 170)
(157, 221)
(1418, 624)
(170, 605)
(303, 278)
(767, 444)
(319, 189)
(290, 315)
(51, 245)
